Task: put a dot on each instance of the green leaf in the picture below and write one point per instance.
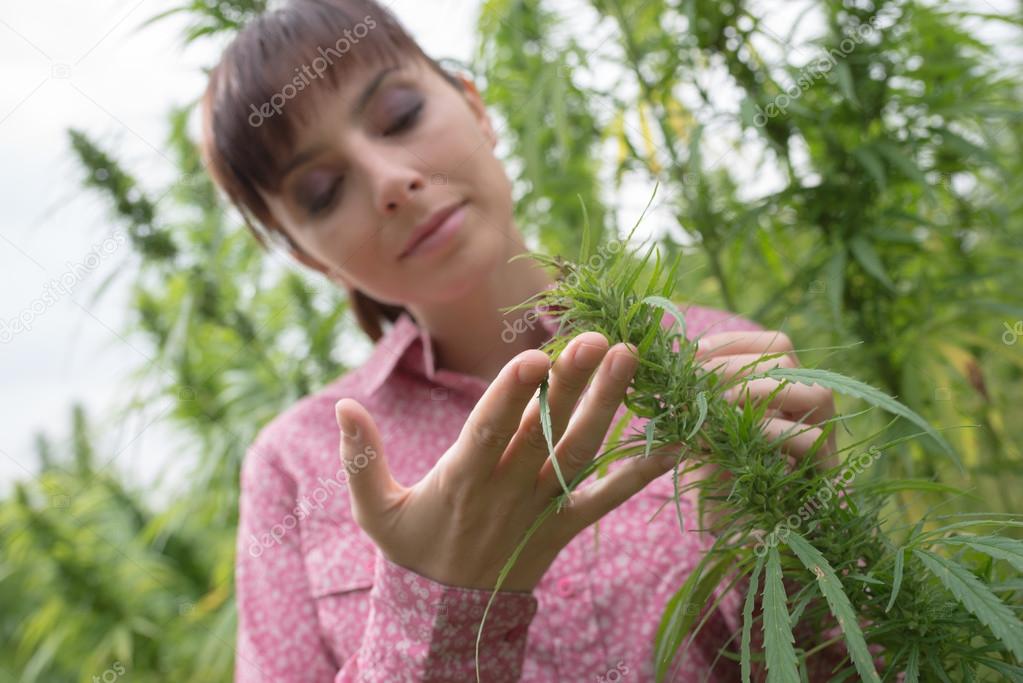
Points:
(747, 619)
(967, 149)
(903, 163)
(872, 164)
(886, 487)
(838, 601)
(670, 280)
(701, 415)
(913, 666)
(845, 83)
(545, 424)
(778, 638)
(835, 273)
(670, 307)
(998, 547)
(857, 389)
(871, 262)
(900, 559)
(649, 436)
(584, 246)
(976, 597)
(935, 665)
(685, 606)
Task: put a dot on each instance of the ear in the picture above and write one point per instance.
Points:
(479, 109)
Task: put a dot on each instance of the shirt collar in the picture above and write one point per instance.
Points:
(408, 345)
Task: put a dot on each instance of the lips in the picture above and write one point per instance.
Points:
(424, 229)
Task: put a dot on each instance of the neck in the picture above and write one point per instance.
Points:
(471, 335)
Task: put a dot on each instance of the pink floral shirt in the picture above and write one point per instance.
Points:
(317, 602)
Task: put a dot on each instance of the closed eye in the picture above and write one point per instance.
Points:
(322, 201)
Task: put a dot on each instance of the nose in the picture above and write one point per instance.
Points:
(394, 180)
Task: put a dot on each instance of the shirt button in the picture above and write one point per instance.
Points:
(566, 587)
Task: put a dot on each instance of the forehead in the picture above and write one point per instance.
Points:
(350, 95)
(324, 105)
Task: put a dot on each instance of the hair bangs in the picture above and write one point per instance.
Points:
(271, 77)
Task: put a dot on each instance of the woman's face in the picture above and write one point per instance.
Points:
(378, 157)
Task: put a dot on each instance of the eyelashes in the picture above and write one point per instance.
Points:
(320, 202)
(407, 120)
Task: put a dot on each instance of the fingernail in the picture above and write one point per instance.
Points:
(344, 423)
(623, 365)
(587, 356)
(531, 373)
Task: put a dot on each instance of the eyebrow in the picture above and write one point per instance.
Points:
(360, 105)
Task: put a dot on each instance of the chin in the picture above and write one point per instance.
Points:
(465, 270)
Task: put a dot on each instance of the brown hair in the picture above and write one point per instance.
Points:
(247, 134)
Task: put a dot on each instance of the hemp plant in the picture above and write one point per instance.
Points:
(934, 600)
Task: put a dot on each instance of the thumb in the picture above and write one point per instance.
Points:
(369, 479)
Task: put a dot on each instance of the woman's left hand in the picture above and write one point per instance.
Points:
(728, 352)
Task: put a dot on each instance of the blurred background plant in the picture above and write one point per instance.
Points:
(858, 179)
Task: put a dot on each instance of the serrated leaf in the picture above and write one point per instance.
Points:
(998, 547)
(747, 619)
(913, 666)
(977, 598)
(838, 601)
(684, 607)
(778, 638)
(900, 560)
(857, 389)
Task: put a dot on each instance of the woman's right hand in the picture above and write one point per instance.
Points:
(462, 521)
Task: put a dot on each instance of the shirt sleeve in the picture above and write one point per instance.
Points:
(422, 630)
(416, 630)
(278, 636)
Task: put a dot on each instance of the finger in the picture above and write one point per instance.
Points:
(798, 439)
(742, 364)
(731, 343)
(605, 494)
(369, 479)
(568, 379)
(793, 400)
(588, 426)
(495, 418)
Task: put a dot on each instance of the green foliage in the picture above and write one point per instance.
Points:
(890, 217)
(778, 638)
(892, 229)
(846, 567)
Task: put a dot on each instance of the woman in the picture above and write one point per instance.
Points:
(336, 137)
